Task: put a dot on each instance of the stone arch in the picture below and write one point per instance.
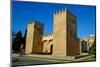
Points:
(51, 42)
(44, 41)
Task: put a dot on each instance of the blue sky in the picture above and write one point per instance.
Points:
(23, 12)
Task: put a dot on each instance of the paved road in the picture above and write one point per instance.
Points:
(22, 61)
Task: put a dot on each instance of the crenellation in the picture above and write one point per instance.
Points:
(47, 35)
(36, 22)
(64, 10)
(60, 11)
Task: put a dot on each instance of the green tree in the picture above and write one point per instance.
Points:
(16, 42)
(24, 39)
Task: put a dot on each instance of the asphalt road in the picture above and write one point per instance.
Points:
(27, 61)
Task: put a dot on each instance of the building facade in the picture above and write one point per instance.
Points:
(62, 42)
(87, 43)
(84, 46)
(48, 43)
(90, 40)
(65, 34)
(34, 42)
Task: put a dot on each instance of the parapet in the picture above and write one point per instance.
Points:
(65, 10)
(48, 37)
(60, 11)
(36, 22)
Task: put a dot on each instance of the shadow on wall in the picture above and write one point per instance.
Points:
(46, 52)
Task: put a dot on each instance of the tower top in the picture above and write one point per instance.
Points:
(35, 22)
(61, 10)
(64, 10)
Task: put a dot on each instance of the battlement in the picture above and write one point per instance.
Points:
(60, 11)
(48, 35)
(72, 14)
(64, 10)
(36, 22)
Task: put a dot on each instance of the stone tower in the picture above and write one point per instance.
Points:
(34, 42)
(65, 34)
